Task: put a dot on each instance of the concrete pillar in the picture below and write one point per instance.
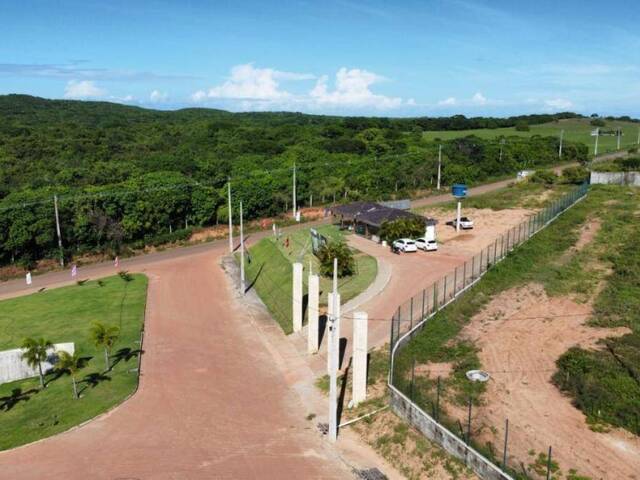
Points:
(360, 320)
(297, 297)
(314, 300)
(335, 339)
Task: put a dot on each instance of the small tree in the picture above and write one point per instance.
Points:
(522, 126)
(35, 352)
(104, 336)
(70, 364)
(339, 250)
(410, 227)
(546, 177)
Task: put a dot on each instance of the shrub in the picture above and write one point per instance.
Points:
(401, 228)
(522, 127)
(598, 122)
(547, 177)
(574, 175)
(342, 252)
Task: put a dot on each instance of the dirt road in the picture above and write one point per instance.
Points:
(210, 403)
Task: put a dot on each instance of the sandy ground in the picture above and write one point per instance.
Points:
(521, 333)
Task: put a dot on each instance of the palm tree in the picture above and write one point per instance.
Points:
(71, 364)
(35, 352)
(104, 336)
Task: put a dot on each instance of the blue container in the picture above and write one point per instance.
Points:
(459, 190)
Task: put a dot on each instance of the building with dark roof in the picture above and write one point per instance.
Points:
(366, 218)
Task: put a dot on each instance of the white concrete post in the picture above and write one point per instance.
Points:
(297, 297)
(314, 300)
(333, 343)
(360, 320)
(458, 217)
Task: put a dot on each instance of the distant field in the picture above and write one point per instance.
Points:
(575, 129)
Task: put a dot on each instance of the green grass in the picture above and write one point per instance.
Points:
(271, 265)
(575, 129)
(524, 194)
(65, 315)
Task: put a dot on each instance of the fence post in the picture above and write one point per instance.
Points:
(549, 464)
(506, 440)
(469, 423)
(411, 315)
(413, 378)
(435, 296)
(480, 267)
(473, 267)
(423, 298)
(495, 252)
(438, 400)
(464, 275)
(508, 238)
(444, 291)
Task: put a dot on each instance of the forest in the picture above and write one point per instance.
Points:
(126, 175)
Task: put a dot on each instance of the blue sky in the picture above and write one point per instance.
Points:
(401, 58)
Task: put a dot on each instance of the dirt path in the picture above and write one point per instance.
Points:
(210, 404)
(520, 334)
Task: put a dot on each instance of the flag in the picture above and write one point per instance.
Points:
(116, 262)
(74, 271)
(28, 278)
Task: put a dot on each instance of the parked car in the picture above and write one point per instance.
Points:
(465, 223)
(405, 245)
(427, 245)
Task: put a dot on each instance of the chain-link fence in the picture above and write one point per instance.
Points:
(420, 400)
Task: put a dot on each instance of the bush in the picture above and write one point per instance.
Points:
(574, 175)
(522, 127)
(546, 177)
(631, 163)
(598, 122)
(339, 250)
(401, 228)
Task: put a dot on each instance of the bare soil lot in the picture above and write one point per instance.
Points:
(520, 335)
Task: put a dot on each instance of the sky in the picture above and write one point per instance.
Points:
(342, 57)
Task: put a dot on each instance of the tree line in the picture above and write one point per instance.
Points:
(125, 175)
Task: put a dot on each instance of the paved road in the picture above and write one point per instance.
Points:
(210, 404)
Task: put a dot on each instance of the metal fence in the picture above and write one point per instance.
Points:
(411, 317)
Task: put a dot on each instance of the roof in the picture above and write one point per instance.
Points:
(374, 214)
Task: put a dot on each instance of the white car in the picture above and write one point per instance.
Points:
(405, 245)
(466, 223)
(427, 245)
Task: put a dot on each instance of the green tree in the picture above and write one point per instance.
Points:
(546, 177)
(71, 364)
(104, 336)
(35, 352)
(410, 227)
(339, 250)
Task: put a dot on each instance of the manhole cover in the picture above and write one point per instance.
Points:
(478, 375)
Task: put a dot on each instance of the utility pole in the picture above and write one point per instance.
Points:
(55, 208)
(595, 152)
(619, 132)
(333, 359)
(439, 164)
(560, 147)
(242, 282)
(295, 207)
(229, 215)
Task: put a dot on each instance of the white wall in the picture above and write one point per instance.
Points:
(13, 367)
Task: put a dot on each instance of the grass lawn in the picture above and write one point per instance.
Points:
(270, 271)
(65, 315)
(518, 195)
(575, 129)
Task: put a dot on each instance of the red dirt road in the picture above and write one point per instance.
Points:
(210, 403)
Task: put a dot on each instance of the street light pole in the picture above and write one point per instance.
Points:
(295, 206)
(55, 208)
(560, 147)
(242, 281)
(333, 359)
(229, 215)
(439, 164)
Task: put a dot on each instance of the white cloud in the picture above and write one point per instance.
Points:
(352, 88)
(250, 83)
(559, 104)
(157, 96)
(83, 89)
(448, 102)
(479, 99)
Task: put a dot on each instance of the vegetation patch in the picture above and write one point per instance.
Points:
(269, 271)
(68, 314)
